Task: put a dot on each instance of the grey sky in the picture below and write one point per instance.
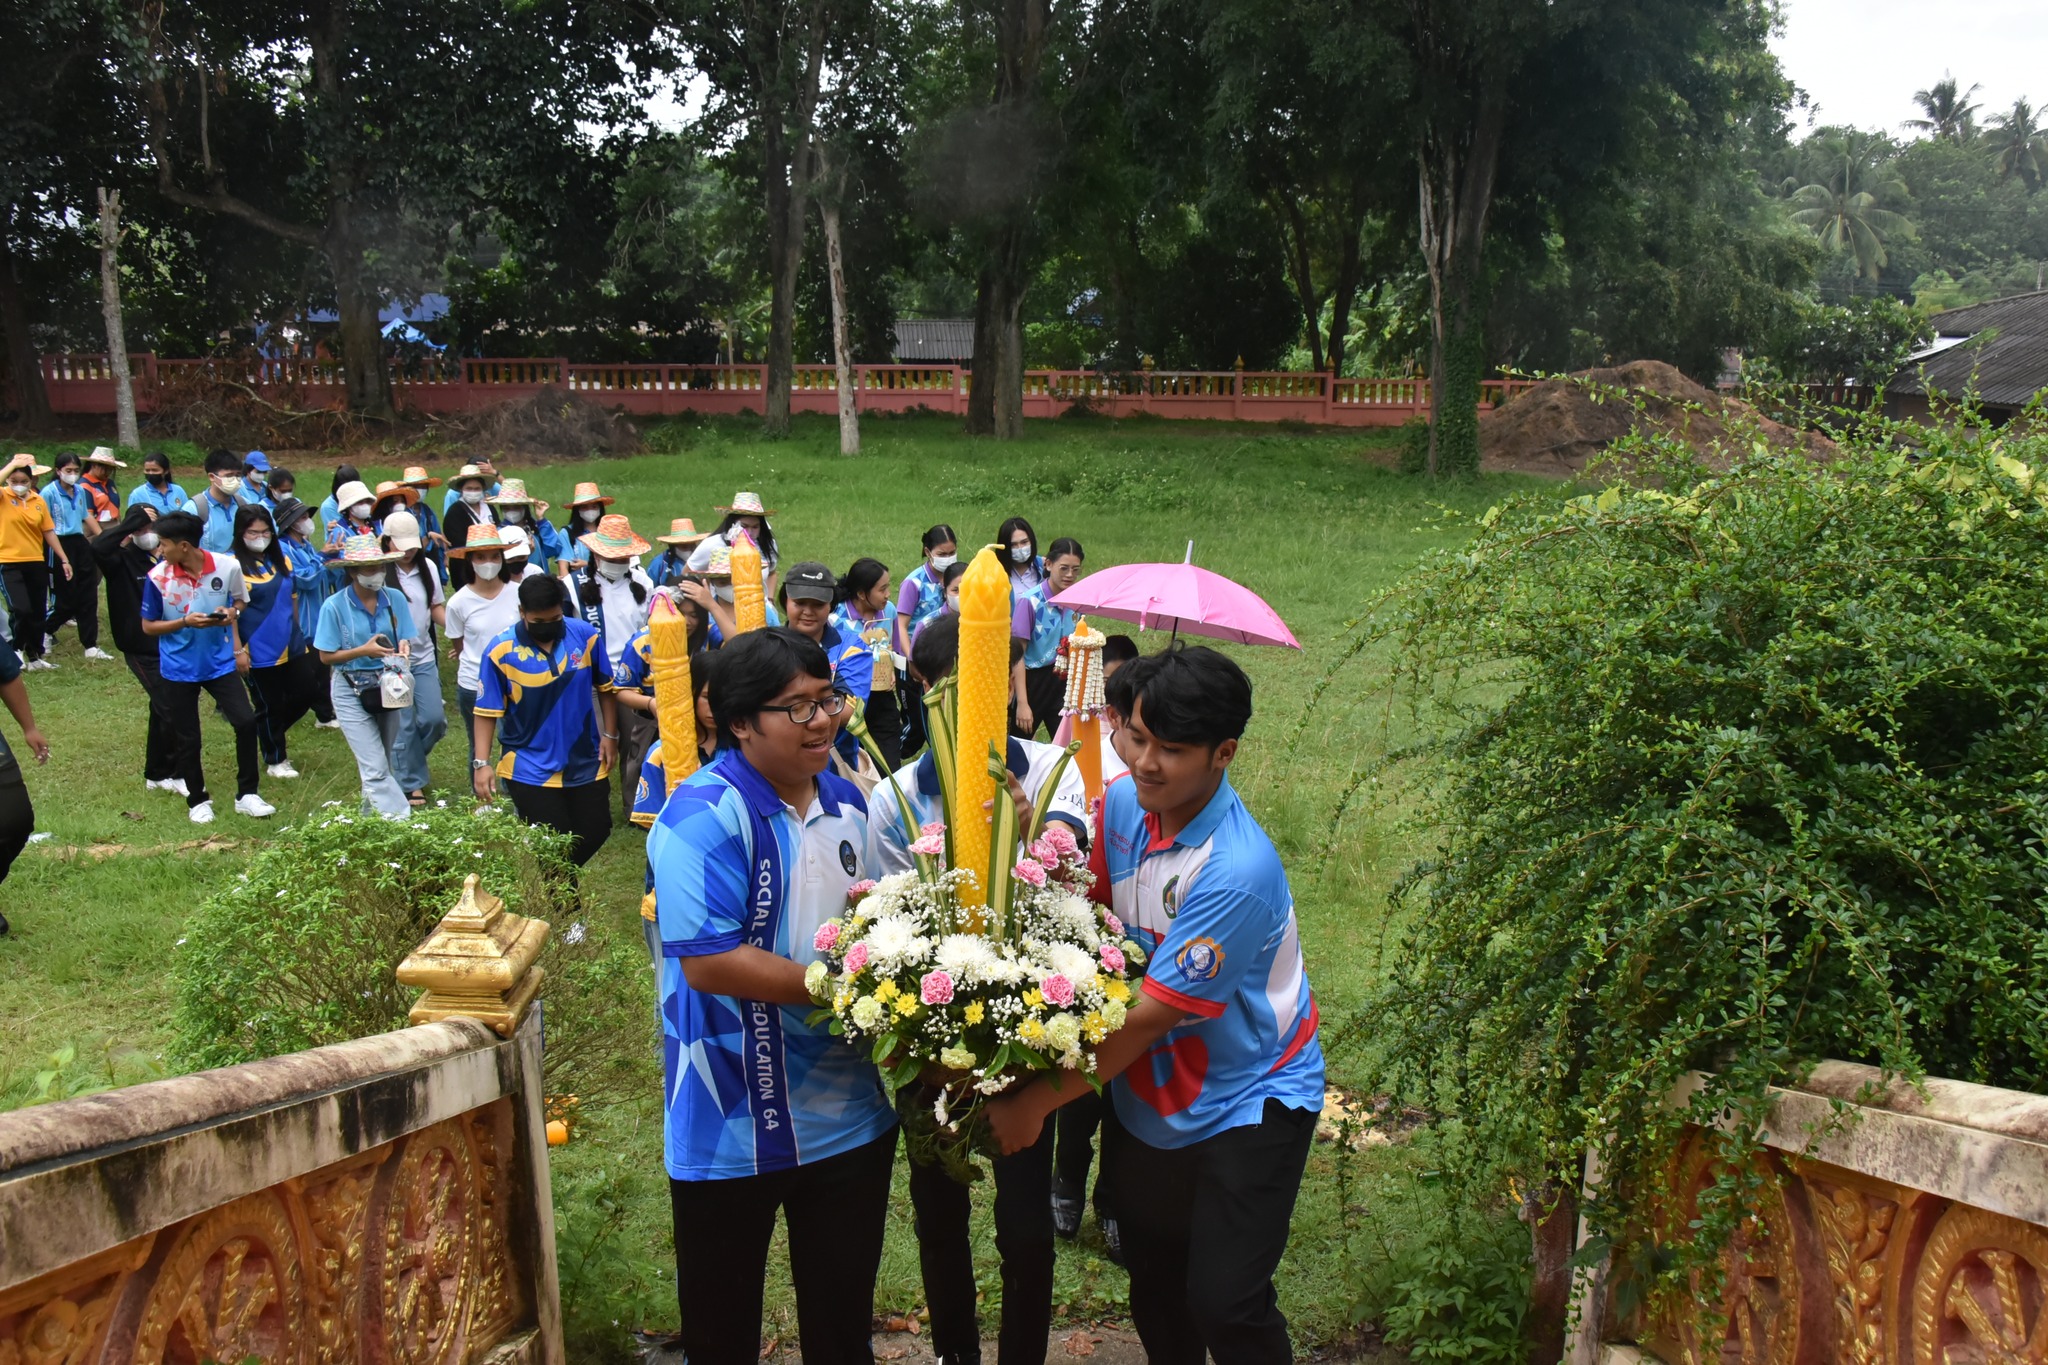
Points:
(1860, 61)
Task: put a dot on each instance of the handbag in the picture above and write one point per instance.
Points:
(387, 688)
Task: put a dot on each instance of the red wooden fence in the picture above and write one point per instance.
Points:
(84, 385)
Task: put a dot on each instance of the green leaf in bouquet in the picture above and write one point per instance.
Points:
(884, 1045)
(942, 731)
(1041, 800)
(1002, 847)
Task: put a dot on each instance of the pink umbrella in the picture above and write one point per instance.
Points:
(1179, 597)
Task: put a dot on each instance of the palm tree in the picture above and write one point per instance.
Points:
(2019, 145)
(1842, 207)
(1951, 114)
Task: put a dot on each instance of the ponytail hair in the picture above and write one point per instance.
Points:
(938, 536)
(861, 578)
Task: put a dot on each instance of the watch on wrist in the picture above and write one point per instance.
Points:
(478, 764)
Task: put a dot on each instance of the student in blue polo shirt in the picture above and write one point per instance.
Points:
(215, 508)
(156, 489)
(255, 489)
(282, 675)
(1218, 1071)
(189, 603)
(544, 692)
(765, 1109)
(1038, 689)
(365, 630)
(76, 599)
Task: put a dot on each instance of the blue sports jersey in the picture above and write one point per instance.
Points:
(931, 598)
(546, 704)
(70, 508)
(195, 654)
(753, 1087)
(170, 498)
(1041, 625)
(1212, 909)
(219, 520)
(270, 627)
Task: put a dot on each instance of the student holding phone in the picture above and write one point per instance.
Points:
(365, 629)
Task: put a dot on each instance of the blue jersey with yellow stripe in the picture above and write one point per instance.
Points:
(545, 701)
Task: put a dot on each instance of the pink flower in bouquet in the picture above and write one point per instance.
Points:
(1113, 924)
(1030, 872)
(936, 988)
(826, 937)
(1112, 957)
(935, 827)
(1057, 990)
(860, 888)
(1045, 853)
(856, 957)
(1060, 840)
(930, 844)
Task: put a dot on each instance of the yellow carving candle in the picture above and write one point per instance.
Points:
(984, 711)
(749, 599)
(675, 705)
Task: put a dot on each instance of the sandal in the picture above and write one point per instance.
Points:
(416, 799)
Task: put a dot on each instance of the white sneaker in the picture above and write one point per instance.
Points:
(174, 785)
(284, 769)
(97, 653)
(326, 725)
(254, 806)
(201, 814)
(37, 666)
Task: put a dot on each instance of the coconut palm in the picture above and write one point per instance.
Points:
(1951, 113)
(1842, 208)
(2019, 145)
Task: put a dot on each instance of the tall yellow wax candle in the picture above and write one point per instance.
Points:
(984, 711)
(675, 707)
(1088, 729)
(749, 599)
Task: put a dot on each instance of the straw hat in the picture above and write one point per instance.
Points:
(482, 536)
(682, 531)
(351, 493)
(416, 476)
(512, 493)
(104, 455)
(365, 551)
(587, 493)
(748, 505)
(720, 565)
(24, 460)
(614, 538)
(468, 472)
(516, 542)
(402, 529)
(392, 488)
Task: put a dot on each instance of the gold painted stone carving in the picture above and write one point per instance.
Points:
(232, 1287)
(423, 1250)
(1978, 1292)
(1855, 1229)
(477, 964)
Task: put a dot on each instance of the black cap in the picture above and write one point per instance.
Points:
(289, 511)
(810, 582)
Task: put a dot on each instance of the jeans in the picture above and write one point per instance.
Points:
(181, 710)
(836, 1210)
(284, 693)
(371, 736)
(1203, 1228)
(159, 745)
(465, 702)
(426, 722)
(27, 583)
(583, 813)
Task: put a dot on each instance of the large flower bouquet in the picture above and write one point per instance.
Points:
(979, 967)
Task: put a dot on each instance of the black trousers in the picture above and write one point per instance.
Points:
(77, 597)
(181, 710)
(885, 727)
(583, 813)
(284, 693)
(17, 815)
(1024, 1240)
(836, 1210)
(1203, 1228)
(28, 594)
(1076, 1124)
(1046, 691)
(910, 701)
(160, 746)
(323, 697)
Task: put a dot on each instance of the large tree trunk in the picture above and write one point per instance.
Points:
(364, 373)
(995, 407)
(1457, 178)
(1294, 233)
(125, 433)
(790, 169)
(24, 366)
(1344, 289)
(842, 339)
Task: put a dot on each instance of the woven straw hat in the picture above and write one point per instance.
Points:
(512, 493)
(682, 531)
(468, 472)
(614, 539)
(365, 550)
(392, 488)
(482, 536)
(748, 505)
(105, 455)
(587, 493)
(416, 476)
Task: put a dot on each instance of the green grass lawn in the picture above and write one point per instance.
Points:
(1313, 521)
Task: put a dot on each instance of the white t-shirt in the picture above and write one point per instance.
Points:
(413, 583)
(476, 621)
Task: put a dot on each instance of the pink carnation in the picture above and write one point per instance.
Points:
(1112, 957)
(937, 988)
(856, 957)
(929, 845)
(1044, 852)
(1113, 924)
(860, 888)
(935, 827)
(1030, 872)
(827, 935)
(1060, 839)
(1057, 990)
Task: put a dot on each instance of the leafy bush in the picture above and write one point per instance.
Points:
(1734, 777)
(1414, 449)
(300, 950)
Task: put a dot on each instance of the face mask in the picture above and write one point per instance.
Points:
(488, 569)
(941, 563)
(69, 478)
(953, 601)
(614, 569)
(1020, 554)
(590, 513)
(546, 632)
(147, 541)
(304, 528)
(227, 483)
(361, 511)
(157, 480)
(514, 515)
(472, 496)
(257, 543)
(20, 490)
(371, 582)
(259, 479)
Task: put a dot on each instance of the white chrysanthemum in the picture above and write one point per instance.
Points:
(968, 957)
(1078, 918)
(893, 940)
(814, 978)
(1073, 963)
(896, 885)
(1113, 1012)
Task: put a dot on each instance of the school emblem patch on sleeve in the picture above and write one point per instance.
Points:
(1200, 959)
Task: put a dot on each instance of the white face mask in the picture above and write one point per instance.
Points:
(941, 563)
(257, 543)
(304, 528)
(472, 496)
(372, 581)
(227, 483)
(1020, 554)
(258, 478)
(590, 513)
(614, 569)
(513, 515)
(361, 511)
(69, 478)
(488, 569)
(146, 541)
(20, 490)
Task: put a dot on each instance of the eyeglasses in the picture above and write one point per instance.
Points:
(804, 712)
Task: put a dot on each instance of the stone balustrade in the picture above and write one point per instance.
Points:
(1897, 1226)
(378, 1200)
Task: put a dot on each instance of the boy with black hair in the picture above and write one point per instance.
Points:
(1218, 1074)
(766, 1110)
(215, 507)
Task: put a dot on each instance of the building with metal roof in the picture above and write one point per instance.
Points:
(934, 341)
(1995, 352)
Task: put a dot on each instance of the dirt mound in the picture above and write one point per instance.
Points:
(210, 409)
(549, 425)
(1560, 424)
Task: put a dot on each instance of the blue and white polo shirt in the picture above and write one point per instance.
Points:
(1032, 762)
(753, 1087)
(1212, 909)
